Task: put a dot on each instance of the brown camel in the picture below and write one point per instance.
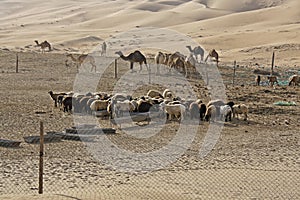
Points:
(136, 56)
(213, 54)
(43, 45)
(83, 58)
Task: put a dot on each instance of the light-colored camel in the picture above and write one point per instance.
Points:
(190, 65)
(161, 59)
(83, 58)
(196, 51)
(43, 45)
(136, 56)
(213, 54)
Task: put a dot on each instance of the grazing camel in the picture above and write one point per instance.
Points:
(176, 60)
(196, 51)
(136, 56)
(213, 54)
(43, 45)
(83, 58)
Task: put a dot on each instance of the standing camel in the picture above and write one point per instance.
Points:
(213, 54)
(43, 45)
(136, 56)
(196, 51)
(161, 59)
(83, 58)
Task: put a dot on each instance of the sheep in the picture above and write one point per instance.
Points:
(217, 103)
(121, 97)
(67, 104)
(225, 112)
(211, 113)
(144, 106)
(122, 106)
(240, 109)
(154, 94)
(257, 80)
(98, 105)
(82, 106)
(202, 110)
(60, 99)
(194, 110)
(54, 96)
(230, 103)
(294, 80)
(168, 94)
(272, 80)
(177, 110)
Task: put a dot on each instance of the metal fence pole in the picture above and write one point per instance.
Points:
(41, 164)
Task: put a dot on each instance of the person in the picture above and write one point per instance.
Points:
(103, 49)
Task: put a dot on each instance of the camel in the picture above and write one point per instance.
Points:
(196, 51)
(176, 60)
(161, 59)
(213, 54)
(136, 56)
(83, 58)
(43, 45)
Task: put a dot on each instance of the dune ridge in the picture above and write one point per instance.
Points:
(227, 25)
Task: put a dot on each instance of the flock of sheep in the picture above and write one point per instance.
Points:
(166, 104)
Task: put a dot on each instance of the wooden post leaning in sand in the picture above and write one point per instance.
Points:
(272, 66)
(41, 164)
(234, 73)
(116, 68)
(17, 63)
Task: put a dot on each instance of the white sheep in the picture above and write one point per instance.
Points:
(123, 106)
(154, 94)
(98, 105)
(225, 112)
(177, 110)
(240, 109)
(211, 113)
(168, 94)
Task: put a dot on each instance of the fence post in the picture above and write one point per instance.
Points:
(272, 67)
(17, 63)
(234, 68)
(116, 69)
(41, 164)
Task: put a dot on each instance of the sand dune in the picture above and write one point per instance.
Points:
(226, 25)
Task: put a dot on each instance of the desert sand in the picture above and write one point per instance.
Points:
(254, 159)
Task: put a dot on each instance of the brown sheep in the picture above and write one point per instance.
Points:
(211, 113)
(240, 109)
(294, 80)
(272, 80)
(55, 96)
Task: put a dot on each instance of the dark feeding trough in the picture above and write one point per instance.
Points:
(47, 139)
(72, 136)
(90, 131)
(9, 143)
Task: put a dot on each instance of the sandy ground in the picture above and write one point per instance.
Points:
(256, 159)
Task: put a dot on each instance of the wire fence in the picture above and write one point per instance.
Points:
(261, 166)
